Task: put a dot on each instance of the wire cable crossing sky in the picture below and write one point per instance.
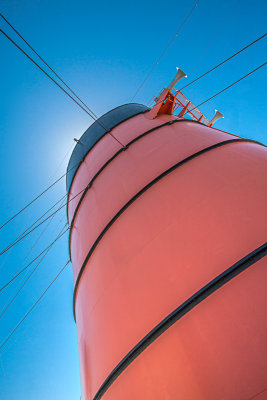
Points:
(164, 51)
(59, 86)
(31, 262)
(195, 80)
(51, 69)
(34, 305)
(4, 310)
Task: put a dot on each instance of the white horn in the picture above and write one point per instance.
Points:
(217, 116)
(179, 75)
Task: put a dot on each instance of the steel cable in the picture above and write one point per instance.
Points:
(28, 265)
(164, 51)
(205, 101)
(59, 86)
(34, 305)
(214, 36)
(4, 310)
(33, 246)
(36, 198)
(51, 69)
(22, 236)
(218, 65)
(228, 87)
(223, 62)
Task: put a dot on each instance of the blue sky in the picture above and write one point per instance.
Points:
(103, 50)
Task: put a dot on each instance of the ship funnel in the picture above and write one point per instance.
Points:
(179, 75)
(217, 116)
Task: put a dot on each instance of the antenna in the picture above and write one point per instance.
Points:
(77, 141)
(179, 75)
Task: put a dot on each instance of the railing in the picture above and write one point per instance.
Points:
(189, 108)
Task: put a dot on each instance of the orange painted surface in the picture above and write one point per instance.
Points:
(181, 233)
(129, 172)
(106, 148)
(215, 352)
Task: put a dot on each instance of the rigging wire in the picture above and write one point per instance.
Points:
(198, 78)
(218, 65)
(4, 310)
(216, 94)
(33, 306)
(30, 263)
(224, 61)
(234, 83)
(70, 150)
(4, 261)
(165, 50)
(51, 69)
(36, 198)
(35, 222)
(22, 236)
(33, 246)
(228, 87)
(50, 77)
(201, 76)
(214, 36)
(60, 87)
(64, 92)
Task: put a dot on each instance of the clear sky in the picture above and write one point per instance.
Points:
(103, 50)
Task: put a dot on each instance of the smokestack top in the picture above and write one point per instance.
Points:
(96, 131)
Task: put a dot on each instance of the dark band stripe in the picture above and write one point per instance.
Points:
(103, 126)
(111, 159)
(143, 190)
(179, 312)
(115, 155)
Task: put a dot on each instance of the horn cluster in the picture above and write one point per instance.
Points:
(179, 75)
(217, 116)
